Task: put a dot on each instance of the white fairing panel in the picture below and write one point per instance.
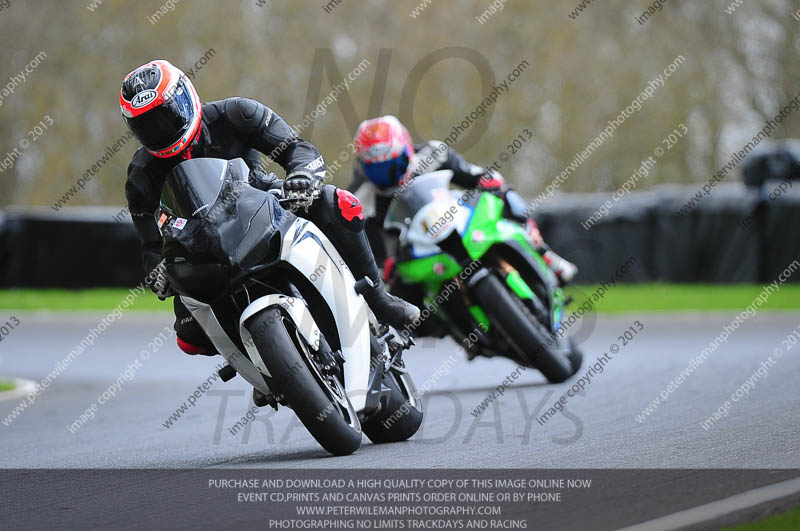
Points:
(205, 317)
(296, 310)
(311, 253)
(434, 222)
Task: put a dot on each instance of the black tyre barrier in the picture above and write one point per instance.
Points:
(735, 234)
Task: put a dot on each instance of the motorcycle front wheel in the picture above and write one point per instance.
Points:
(317, 398)
(530, 338)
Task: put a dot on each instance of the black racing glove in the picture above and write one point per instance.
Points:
(161, 286)
(261, 180)
(516, 207)
(300, 189)
(299, 183)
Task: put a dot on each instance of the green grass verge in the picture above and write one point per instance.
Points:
(782, 522)
(83, 300)
(6, 385)
(624, 298)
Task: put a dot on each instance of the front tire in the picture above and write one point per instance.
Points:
(575, 355)
(401, 416)
(529, 337)
(323, 412)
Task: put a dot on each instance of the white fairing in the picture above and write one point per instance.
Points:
(296, 310)
(433, 222)
(310, 252)
(205, 317)
(307, 249)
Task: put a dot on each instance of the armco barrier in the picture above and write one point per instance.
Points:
(734, 235)
(78, 249)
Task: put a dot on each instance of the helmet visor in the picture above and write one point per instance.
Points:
(162, 126)
(387, 173)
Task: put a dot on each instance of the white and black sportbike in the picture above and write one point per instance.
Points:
(280, 305)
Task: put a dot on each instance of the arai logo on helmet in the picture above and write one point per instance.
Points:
(144, 98)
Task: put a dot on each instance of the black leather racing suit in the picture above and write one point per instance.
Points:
(240, 127)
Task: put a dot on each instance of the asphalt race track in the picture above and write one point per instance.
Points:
(598, 430)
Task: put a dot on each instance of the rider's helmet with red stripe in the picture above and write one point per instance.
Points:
(162, 108)
(383, 147)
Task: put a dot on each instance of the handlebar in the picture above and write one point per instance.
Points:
(295, 200)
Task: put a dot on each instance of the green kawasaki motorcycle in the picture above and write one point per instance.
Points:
(480, 274)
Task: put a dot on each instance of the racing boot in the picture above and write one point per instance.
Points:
(389, 309)
(564, 269)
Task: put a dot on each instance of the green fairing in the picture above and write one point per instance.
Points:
(491, 228)
(480, 317)
(488, 220)
(423, 270)
(515, 282)
(486, 228)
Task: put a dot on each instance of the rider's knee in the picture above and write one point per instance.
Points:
(344, 208)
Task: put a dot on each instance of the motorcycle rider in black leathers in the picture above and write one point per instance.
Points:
(162, 109)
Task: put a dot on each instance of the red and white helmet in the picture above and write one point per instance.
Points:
(383, 147)
(161, 107)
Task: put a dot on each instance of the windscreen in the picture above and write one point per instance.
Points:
(409, 200)
(192, 187)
